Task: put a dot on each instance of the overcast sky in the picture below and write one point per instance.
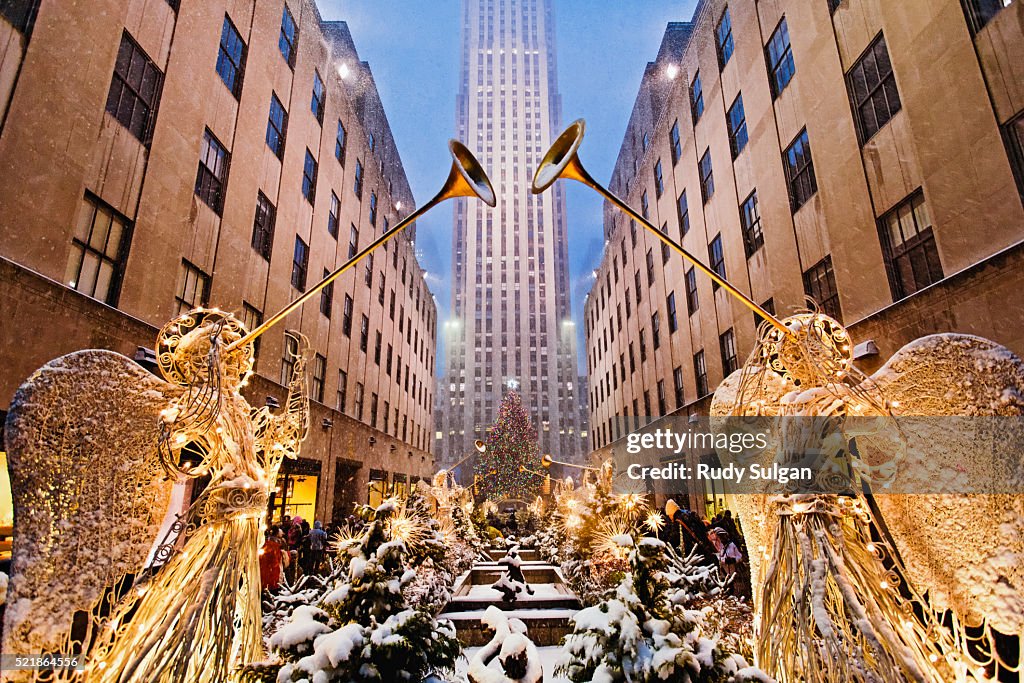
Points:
(412, 47)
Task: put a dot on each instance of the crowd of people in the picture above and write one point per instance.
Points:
(718, 540)
(293, 548)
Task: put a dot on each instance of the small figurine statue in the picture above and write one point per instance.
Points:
(512, 582)
(509, 657)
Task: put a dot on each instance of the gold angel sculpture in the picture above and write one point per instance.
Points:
(871, 586)
(852, 583)
(96, 446)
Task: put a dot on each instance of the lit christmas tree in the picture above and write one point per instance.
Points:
(512, 451)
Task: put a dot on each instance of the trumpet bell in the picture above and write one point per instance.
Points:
(480, 446)
(546, 461)
(468, 178)
(560, 158)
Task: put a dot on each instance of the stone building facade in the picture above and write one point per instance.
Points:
(164, 154)
(511, 324)
(863, 153)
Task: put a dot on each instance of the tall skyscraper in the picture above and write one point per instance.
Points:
(511, 325)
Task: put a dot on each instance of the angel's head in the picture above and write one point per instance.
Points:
(818, 351)
(192, 349)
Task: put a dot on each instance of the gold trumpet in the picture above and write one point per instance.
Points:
(562, 161)
(548, 461)
(466, 179)
(478, 446)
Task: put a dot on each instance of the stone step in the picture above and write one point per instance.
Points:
(527, 555)
(545, 627)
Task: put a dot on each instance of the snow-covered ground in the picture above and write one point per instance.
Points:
(548, 656)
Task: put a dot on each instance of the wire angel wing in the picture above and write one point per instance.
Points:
(965, 551)
(89, 492)
(756, 392)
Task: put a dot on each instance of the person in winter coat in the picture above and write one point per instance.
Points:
(272, 556)
(317, 544)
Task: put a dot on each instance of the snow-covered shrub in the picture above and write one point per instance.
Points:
(639, 634)
(364, 628)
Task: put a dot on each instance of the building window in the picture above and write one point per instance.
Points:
(700, 374)
(252, 318)
(346, 317)
(724, 36)
(231, 59)
(373, 208)
(134, 90)
(662, 407)
(781, 66)
(800, 171)
(820, 285)
(677, 379)
(332, 216)
(364, 334)
(980, 12)
(707, 178)
(213, 172)
(263, 226)
(319, 375)
(327, 296)
(737, 127)
(670, 303)
(683, 214)
(716, 258)
(696, 97)
(357, 186)
(194, 288)
(675, 143)
(291, 352)
(750, 221)
(659, 180)
(656, 330)
(727, 343)
(277, 125)
(908, 245)
(873, 92)
(374, 401)
(358, 401)
(643, 347)
(1013, 134)
(99, 250)
(309, 171)
(353, 240)
(319, 99)
(339, 144)
(769, 307)
(342, 391)
(692, 303)
(650, 266)
(300, 264)
(289, 37)
(645, 206)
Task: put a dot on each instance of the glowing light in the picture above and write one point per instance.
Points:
(671, 71)
(655, 521)
(344, 71)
